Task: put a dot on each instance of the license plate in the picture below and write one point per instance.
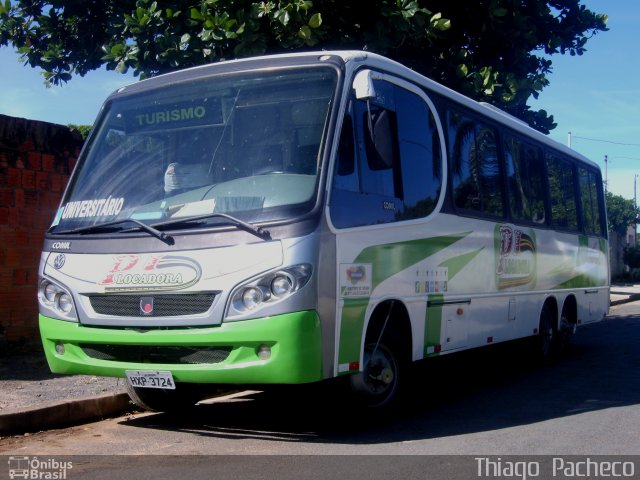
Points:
(150, 379)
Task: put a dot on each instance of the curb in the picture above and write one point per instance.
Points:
(67, 412)
(631, 298)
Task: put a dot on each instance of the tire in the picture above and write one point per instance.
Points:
(567, 330)
(378, 383)
(182, 399)
(547, 340)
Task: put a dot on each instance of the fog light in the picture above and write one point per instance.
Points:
(264, 352)
(60, 348)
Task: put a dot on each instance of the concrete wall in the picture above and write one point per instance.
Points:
(35, 161)
(617, 245)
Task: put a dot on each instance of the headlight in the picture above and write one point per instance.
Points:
(252, 297)
(56, 300)
(50, 292)
(268, 289)
(64, 303)
(281, 285)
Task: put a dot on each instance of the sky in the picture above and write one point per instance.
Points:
(595, 96)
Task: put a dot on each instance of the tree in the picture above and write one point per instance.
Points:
(621, 213)
(491, 50)
(81, 129)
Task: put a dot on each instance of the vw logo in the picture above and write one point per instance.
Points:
(58, 262)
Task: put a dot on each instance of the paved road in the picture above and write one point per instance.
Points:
(493, 402)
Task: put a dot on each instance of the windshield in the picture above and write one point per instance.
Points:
(245, 144)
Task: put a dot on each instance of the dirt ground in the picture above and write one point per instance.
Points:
(25, 380)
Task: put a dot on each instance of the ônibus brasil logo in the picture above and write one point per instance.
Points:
(34, 467)
(130, 273)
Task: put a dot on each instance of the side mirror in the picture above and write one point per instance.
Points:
(363, 85)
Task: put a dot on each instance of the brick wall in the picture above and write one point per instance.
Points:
(35, 161)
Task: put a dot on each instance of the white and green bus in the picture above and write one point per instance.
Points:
(296, 218)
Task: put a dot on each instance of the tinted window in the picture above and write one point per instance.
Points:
(389, 163)
(220, 144)
(591, 215)
(475, 165)
(562, 192)
(525, 179)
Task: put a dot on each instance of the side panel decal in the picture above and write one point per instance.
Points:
(387, 260)
(378, 262)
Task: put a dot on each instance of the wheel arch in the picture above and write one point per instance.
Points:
(398, 326)
(570, 309)
(551, 303)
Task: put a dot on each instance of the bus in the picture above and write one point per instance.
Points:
(297, 218)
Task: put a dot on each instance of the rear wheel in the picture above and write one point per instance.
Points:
(567, 329)
(547, 335)
(181, 399)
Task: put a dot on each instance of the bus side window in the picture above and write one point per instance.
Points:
(525, 178)
(388, 165)
(346, 177)
(380, 139)
(475, 165)
(562, 190)
(591, 215)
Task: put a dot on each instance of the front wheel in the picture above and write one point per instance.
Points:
(179, 400)
(377, 384)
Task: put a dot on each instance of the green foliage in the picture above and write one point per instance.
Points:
(621, 213)
(491, 50)
(81, 129)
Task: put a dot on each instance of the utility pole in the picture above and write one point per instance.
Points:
(606, 174)
(569, 140)
(635, 206)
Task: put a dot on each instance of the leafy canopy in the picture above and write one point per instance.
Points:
(620, 213)
(491, 50)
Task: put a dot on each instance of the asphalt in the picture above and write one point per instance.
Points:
(76, 410)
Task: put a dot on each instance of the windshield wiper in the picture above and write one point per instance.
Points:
(168, 239)
(257, 231)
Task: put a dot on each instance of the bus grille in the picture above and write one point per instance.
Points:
(157, 354)
(171, 305)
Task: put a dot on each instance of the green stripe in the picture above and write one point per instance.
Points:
(433, 325)
(581, 281)
(455, 264)
(391, 258)
(353, 313)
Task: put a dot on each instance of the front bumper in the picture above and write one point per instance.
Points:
(294, 338)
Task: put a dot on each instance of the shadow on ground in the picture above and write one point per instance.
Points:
(26, 365)
(483, 390)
